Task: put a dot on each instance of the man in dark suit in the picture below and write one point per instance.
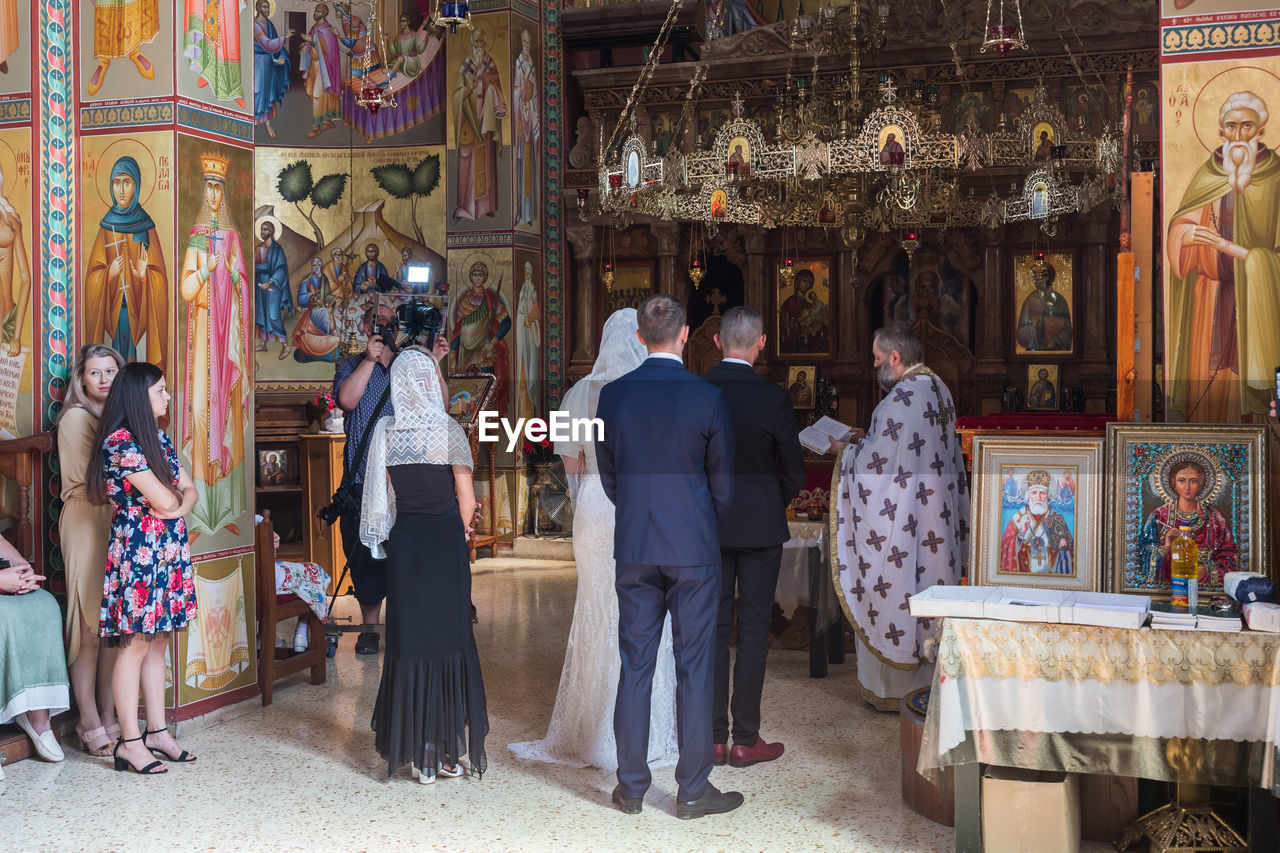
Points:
(769, 467)
(666, 462)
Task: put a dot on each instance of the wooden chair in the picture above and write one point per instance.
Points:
(19, 461)
(275, 662)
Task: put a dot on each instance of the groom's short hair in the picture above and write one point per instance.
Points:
(740, 329)
(660, 319)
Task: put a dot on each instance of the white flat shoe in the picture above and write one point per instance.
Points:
(423, 778)
(300, 638)
(46, 744)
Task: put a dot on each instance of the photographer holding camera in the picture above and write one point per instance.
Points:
(362, 387)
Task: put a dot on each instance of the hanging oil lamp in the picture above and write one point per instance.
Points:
(697, 255)
(452, 14)
(1004, 35)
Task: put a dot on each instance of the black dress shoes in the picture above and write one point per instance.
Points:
(367, 643)
(712, 802)
(625, 804)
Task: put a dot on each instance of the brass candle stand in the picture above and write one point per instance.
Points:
(1188, 824)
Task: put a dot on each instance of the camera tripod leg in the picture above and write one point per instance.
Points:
(330, 628)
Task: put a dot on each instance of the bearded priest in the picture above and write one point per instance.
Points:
(901, 508)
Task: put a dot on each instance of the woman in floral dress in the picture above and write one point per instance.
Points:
(150, 586)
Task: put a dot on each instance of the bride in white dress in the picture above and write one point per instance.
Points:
(581, 730)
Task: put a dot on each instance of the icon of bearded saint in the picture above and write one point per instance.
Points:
(1224, 273)
(1037, 539)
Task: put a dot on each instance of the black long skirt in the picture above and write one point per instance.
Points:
(431, 705)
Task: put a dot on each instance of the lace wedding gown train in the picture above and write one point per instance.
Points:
(581, 730)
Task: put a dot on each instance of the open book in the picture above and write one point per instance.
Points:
(815, 436)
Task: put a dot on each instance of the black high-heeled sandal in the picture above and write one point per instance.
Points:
(184, 758)
(155, 768)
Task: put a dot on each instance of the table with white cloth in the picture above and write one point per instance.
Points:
(1181, 706)
(805, 581)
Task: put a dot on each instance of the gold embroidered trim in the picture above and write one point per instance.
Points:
(1027, 651)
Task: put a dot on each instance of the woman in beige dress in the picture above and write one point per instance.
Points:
(83, 529)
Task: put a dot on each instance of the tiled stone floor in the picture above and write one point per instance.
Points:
(303, 774)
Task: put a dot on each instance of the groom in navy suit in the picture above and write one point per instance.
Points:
(666, 462)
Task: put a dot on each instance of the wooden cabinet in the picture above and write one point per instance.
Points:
(321, 474)
(278, 471)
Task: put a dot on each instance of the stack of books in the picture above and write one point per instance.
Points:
(1165, 617)
(1218, 621)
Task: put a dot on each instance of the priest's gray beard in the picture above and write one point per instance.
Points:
(1238, 160)
(884, 373)
(1038, 506)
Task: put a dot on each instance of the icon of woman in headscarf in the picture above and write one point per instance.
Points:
(125, 284)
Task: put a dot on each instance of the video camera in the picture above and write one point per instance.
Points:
(417, 320)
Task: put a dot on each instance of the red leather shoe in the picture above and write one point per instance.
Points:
(720, 754)
(745, 756)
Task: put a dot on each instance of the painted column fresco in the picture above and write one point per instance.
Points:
(215, 285)
(480, 125)
(127, 239)
(1220, 81)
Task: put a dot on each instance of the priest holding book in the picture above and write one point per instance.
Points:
(902, 517)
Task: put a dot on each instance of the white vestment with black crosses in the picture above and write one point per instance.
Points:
(902, 521)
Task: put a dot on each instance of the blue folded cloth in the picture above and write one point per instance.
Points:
(1247, 587)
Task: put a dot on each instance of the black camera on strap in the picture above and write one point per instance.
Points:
(346, 498)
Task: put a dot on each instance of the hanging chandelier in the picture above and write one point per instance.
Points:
(814, 158)
(1003, 35)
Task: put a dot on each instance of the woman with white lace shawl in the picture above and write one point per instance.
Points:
(419, 508)
(581, 730)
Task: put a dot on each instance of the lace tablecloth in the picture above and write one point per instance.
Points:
(1191, 706)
